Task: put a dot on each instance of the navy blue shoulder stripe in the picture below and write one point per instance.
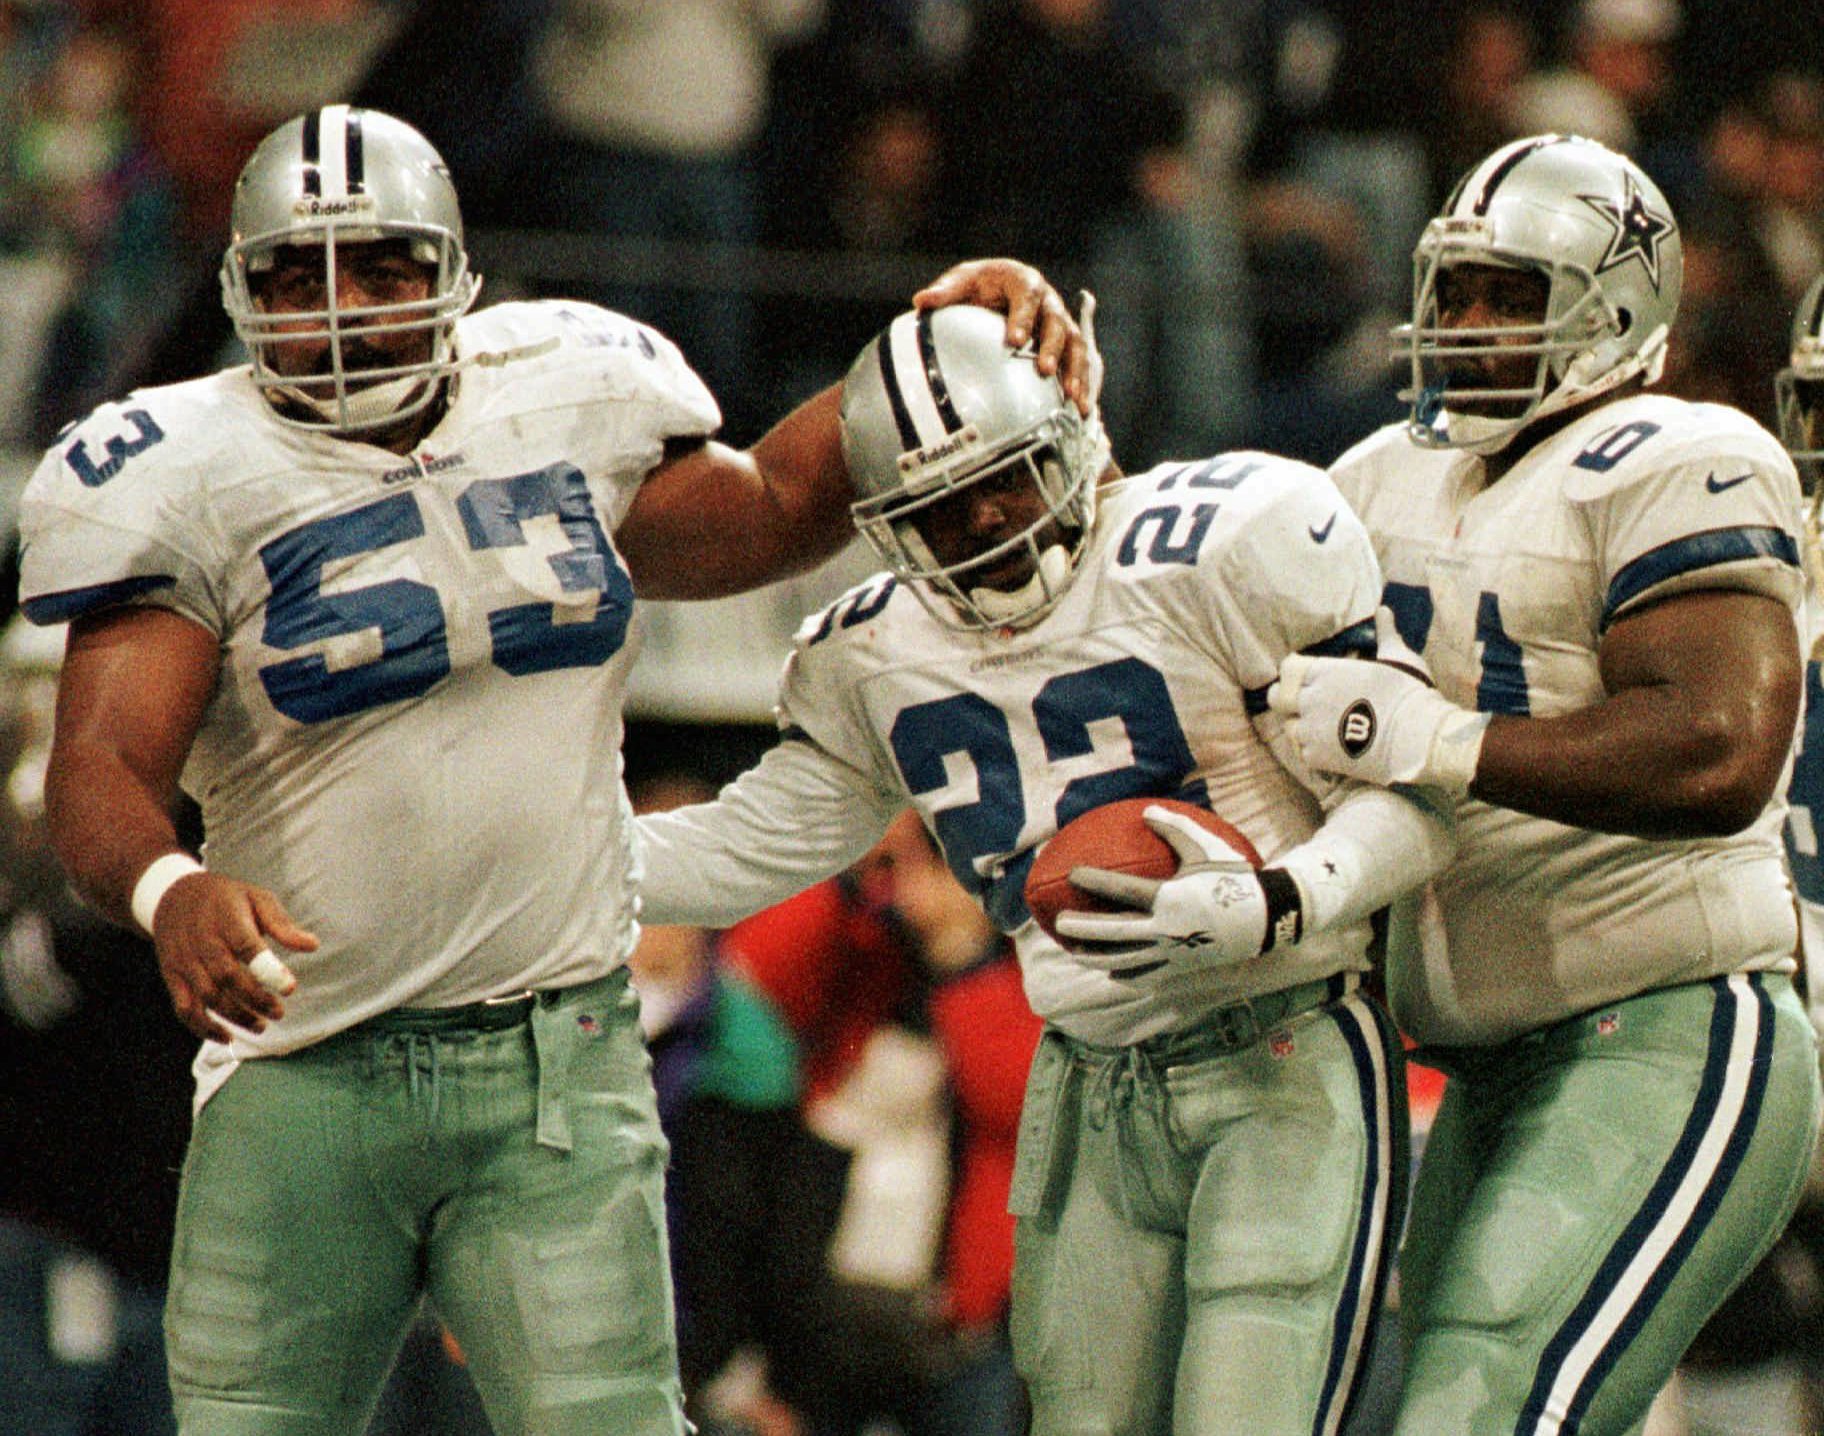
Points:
(1355, 641)
(75, 602)
(1692, 553)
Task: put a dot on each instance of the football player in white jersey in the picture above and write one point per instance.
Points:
(1212, 1147)
(1606, 587)
(1799, 401)
(367, 599)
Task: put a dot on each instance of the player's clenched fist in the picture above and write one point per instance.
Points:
(1382, 721)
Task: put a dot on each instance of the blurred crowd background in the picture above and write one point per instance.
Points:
(767, 181)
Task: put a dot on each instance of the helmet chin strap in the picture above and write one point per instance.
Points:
(1483, 435)
(1479, 434)
(360, 408)
(371, 408)
(1031, 599)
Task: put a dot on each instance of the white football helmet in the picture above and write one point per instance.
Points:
(1601, 233)
(1799, 390)
(937, 402)
(346, 176)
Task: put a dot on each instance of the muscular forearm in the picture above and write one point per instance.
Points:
(134, 687)
(712, 521)
(1645, 762)
(107, 826)
(805, 491)
(1701, 700)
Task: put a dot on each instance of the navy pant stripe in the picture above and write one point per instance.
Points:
(1561, 1393)
(1377, 1219)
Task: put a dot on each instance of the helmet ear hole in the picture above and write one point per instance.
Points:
(1625, 318)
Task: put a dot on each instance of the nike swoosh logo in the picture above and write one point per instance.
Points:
(1711, 483)
(1319, 535)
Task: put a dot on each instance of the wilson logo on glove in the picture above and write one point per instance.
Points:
(1356, 729)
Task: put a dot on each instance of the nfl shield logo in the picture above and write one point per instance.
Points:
(591, 1028)
(1280, 1044)
(1608, 1024)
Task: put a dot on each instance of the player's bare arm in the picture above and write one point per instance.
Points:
(135, 684)
(711, 520)
(1704, 692)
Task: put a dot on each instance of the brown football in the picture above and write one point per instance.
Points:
(1113, 836)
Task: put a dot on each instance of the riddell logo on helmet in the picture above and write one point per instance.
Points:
(945, 448)
(314, 208)
(1355, 732)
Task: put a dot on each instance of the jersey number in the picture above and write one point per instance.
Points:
(947, 742)
(408, 615)
(1502, 686)
(1806, 795)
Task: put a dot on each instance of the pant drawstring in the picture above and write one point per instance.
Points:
(425, 1043)
(1121, 1079)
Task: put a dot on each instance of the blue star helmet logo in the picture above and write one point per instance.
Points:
(1638, 229)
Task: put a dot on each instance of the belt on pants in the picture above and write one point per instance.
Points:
(1241, 1024)
(493, 1014)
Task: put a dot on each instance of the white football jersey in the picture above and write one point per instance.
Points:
(1805, 794)
(1507, 591)
(1148, 679)
(415, 737)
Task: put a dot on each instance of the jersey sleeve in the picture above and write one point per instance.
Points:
(110, 517)
(799, 816)
(635, 385)
(1725, 518)
(1302, 579)
(814, 804)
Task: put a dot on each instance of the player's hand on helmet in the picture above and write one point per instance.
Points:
(1035, 311)
(1380, 722)
(1216, 910)
(214, 938)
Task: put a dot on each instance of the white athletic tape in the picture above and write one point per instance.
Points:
(272, 974)
(156, 881)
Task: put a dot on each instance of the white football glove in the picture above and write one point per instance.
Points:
(1381, 722)
(1217, 909)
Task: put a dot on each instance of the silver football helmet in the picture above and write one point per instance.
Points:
(341, 176)
(1799, 390)
(937, 403)
(1600, 232)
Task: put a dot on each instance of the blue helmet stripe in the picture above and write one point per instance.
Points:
(357, 175)
(896, 400)
(934, 375)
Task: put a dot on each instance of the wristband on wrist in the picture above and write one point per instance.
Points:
(1285, 908)
(1456, 750)
(155, 881)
